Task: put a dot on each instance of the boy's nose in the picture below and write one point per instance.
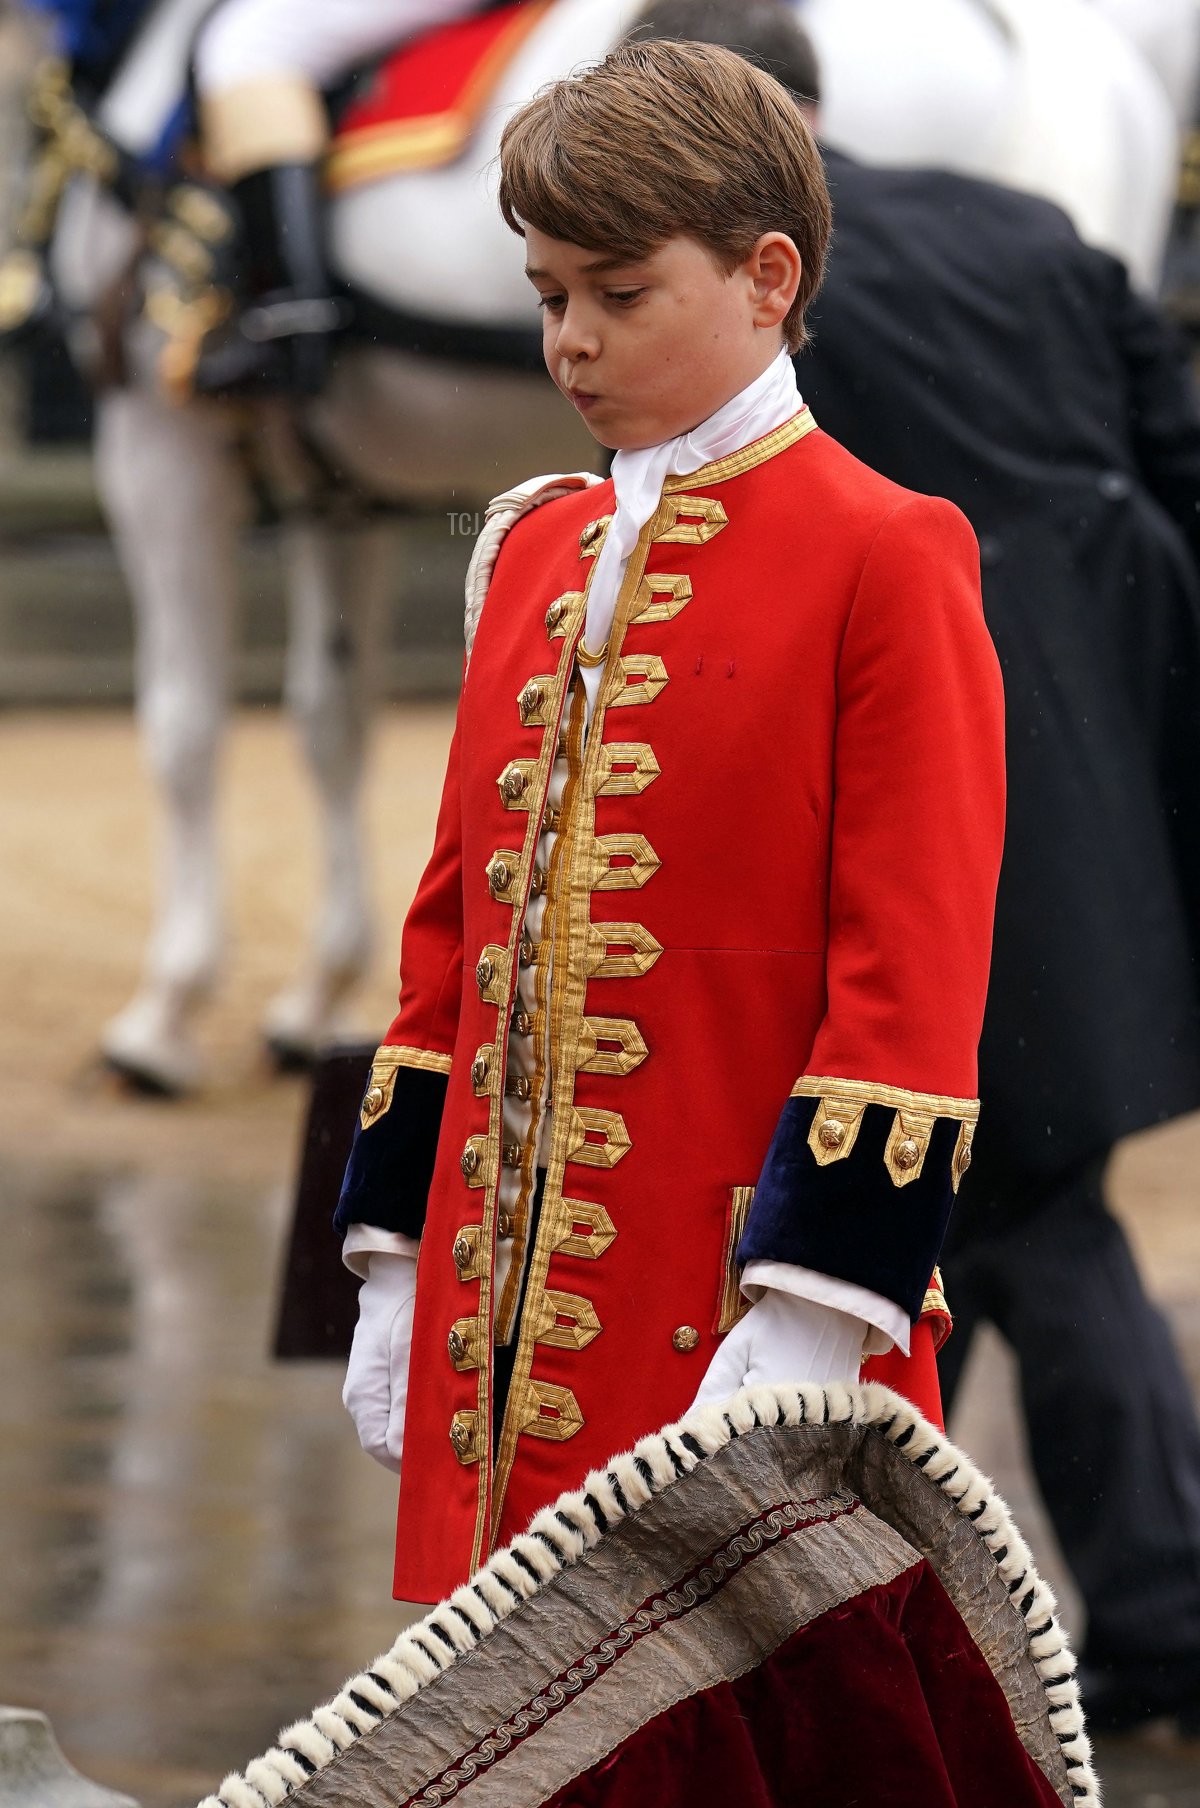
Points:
(575, 340)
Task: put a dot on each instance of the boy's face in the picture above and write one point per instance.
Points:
(649, 348)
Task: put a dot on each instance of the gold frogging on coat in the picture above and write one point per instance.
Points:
(620, 950)
(661, 595)
(543, 1410)
(621, 863)
(610, 1045)
(628, 769)
(464, 1437)
(566, 1321)
(635, 678)
(599, 1138)
(592, 538)
(692, 520)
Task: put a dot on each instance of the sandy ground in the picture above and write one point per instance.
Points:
(77, 865)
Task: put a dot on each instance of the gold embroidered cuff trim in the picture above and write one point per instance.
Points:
(935, 1299)
(620, 951)
(582, 1230)
(839, 1114)
(566, 1321)
(734, 1304)
(545, 1411)
(381, 1086)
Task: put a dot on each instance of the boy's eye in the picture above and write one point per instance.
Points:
(625, 298)
(553, 304)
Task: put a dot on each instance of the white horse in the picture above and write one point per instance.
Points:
(1042, 94)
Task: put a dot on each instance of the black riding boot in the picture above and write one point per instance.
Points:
(280, 338)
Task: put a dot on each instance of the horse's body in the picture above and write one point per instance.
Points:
(1038, 93)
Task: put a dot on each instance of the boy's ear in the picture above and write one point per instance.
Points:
(774, 268)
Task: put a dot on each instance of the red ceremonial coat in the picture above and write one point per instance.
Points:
(761, 973)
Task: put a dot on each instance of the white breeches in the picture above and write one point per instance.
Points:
(245, 40)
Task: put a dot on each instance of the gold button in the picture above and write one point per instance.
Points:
(554, 614)
(520, 1088)
(530, 700)
(462, 1253)
(964, 1160)
(479, 1071)
(485, 972)
(523, 1023)
(511, 1155)
(504, 1225)
(686, 1338)
(463, 1440)
(551, 820)
(456, 1346)
(373, 1100)
(538, 883)
(832, 1133)
(469, 1162)
(512, 784)
(908, 1154)
(499, 877)
(527, 952)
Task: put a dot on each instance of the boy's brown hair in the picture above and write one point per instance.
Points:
(663, 139)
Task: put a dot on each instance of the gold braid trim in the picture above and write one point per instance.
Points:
(839, 1114)
(381, 1087)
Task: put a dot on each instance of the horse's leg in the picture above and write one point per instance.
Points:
(173, 500)
(338, 579)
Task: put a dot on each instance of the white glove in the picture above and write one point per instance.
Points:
(376, 1389)
(785, 1338)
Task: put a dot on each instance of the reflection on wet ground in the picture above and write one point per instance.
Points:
(194, 1549)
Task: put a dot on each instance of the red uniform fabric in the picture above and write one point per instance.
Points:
(423, 102)
(775, 867)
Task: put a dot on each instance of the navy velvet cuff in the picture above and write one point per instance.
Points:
(391, 1164)
(849, 1220)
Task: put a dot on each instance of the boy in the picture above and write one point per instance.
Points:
(694, 979)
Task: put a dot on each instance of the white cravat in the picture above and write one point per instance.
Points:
(638, 478)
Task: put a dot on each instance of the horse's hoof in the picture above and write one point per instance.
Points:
(146, 1049)
(143, 1082)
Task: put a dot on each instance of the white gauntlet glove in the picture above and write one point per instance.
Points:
(785, 1338)
(376, 1389)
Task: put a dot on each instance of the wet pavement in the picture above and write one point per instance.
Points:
(193, 1551)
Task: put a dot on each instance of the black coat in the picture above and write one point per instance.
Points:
(967, 344)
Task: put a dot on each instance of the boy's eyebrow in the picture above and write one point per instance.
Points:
(597, 264)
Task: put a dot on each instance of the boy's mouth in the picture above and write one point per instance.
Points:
(582, 400)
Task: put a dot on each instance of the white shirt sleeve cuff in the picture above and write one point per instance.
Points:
(362, 1239)
(888, 1323)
